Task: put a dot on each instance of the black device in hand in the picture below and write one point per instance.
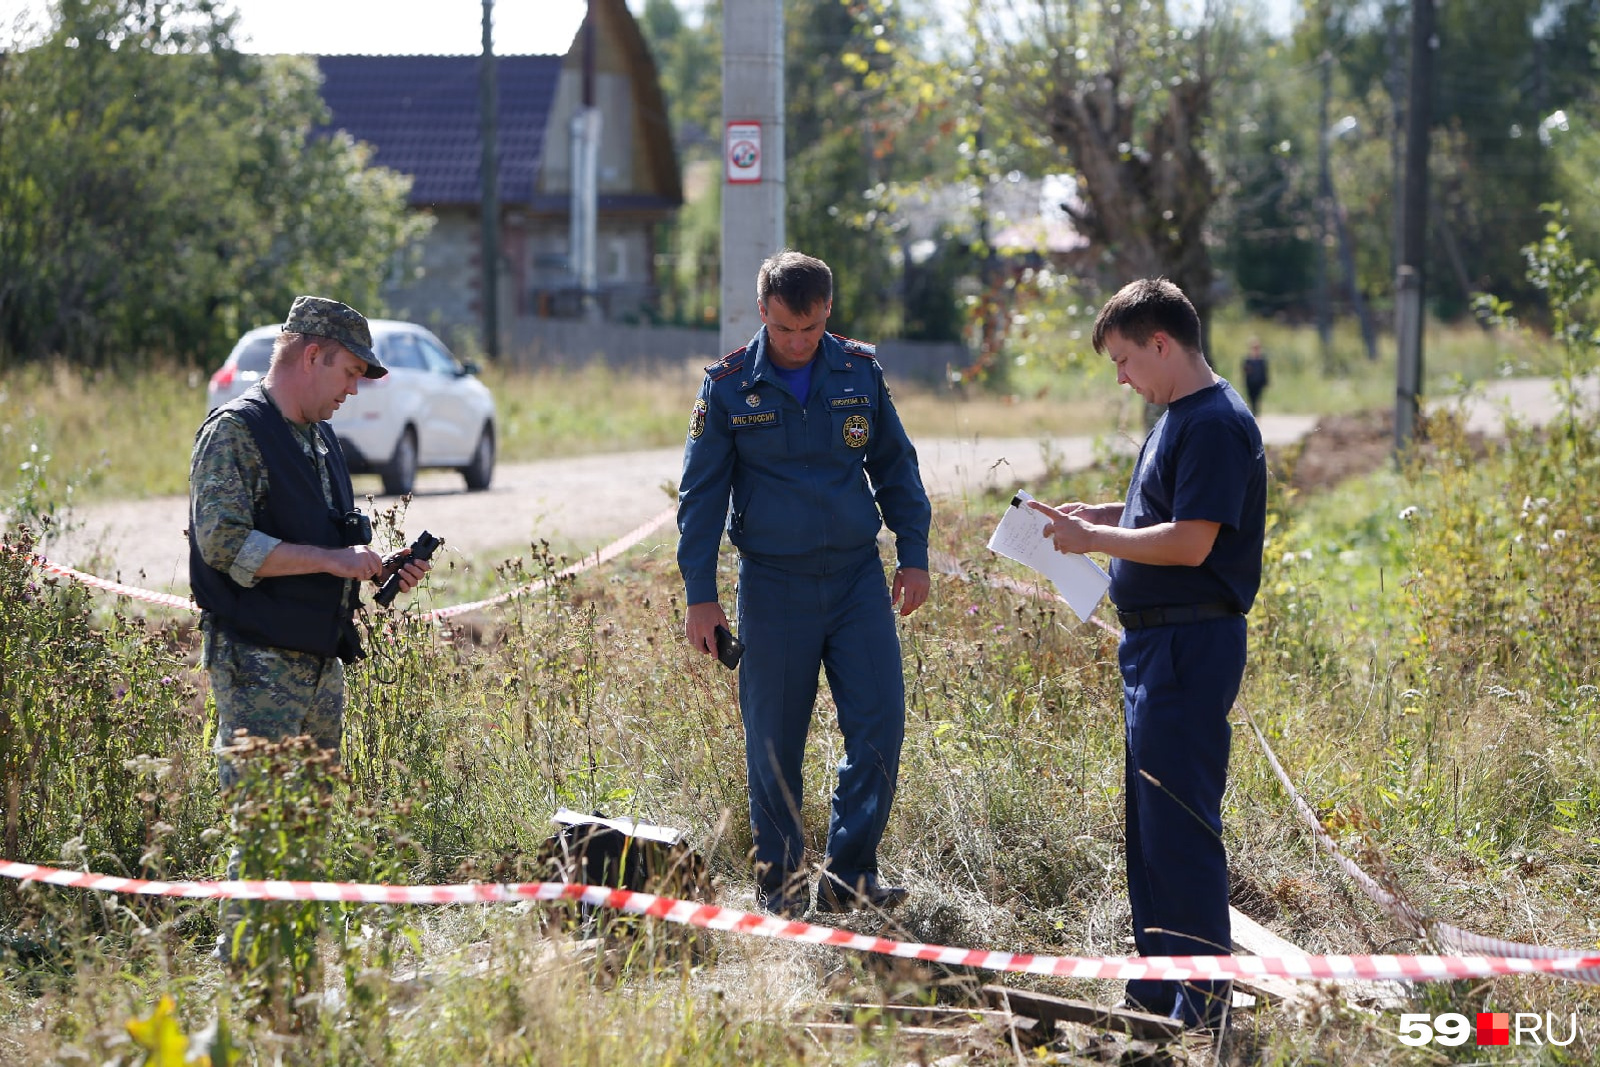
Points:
(729, 647)
(422, 548)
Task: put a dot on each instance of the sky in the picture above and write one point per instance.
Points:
(417, 27)
(388, 27)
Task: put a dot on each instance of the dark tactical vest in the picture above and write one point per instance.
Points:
(302, 612)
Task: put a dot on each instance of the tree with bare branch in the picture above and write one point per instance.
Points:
(1124, 91)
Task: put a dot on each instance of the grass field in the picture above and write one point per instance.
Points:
(1423, 660)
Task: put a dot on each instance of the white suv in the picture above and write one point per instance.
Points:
(429, 410)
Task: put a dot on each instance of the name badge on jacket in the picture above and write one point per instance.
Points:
(751, 420)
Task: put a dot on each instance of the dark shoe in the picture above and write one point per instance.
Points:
(1130, 1004)
(834, 896)
(785, 904)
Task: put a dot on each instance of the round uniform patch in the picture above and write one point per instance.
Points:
(697, 419)
(855, 431)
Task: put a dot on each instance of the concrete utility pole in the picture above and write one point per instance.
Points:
(753, 166)
(1324, 212)
(583, 235)
(1409, 276)
(488, 176)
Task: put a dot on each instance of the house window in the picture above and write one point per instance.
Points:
(617, 259)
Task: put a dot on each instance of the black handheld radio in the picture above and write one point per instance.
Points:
(422, 548)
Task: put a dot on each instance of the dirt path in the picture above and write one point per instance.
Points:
(579, 504)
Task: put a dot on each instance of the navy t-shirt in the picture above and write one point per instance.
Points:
(1203, 460)
(798, 380)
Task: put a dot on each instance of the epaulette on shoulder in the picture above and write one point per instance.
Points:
(731, 363)
(854, 347)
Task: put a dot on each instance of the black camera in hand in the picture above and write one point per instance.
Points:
(422, 548)
(355, 529)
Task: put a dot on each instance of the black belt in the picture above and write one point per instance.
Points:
(1139, 620)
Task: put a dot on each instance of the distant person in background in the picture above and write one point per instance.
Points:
(1185, 548)
(1255, 375)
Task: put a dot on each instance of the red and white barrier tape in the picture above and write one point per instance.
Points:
(131, 592)
(713, 917)
(604, 555)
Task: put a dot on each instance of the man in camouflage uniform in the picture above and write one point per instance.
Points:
(276, 546)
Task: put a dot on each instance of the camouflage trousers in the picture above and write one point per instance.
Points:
(272, 693)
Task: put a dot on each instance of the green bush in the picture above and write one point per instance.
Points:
(99, 724)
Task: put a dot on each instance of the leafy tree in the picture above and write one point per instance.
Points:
(1576, 152)
(1503, 71)
(837, 154)
(1264, 220)
(689, 64)
(840, 152)
(941, 141)
(1124, 91)
(160, 191)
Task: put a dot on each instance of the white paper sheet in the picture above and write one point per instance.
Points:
(1020, 536)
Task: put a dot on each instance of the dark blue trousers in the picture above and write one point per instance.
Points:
(1179, 684)
(793, 624)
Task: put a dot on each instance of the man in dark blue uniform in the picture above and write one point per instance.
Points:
(1186, 564)
(794, 443)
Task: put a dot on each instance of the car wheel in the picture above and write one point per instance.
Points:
(400, 473)
(481, 469)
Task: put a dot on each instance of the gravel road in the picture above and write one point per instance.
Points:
(581, 503)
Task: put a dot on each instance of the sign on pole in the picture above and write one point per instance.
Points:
(742, 151)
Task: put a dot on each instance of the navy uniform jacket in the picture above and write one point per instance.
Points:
(797, 473)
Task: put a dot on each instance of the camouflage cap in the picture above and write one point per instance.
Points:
(340, 323)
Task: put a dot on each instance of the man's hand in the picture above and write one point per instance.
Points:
(1067, 529)
(411, 570)
(1184, 543)
(910, 589)
(1093, 514)
(700, 625)
(359, 561)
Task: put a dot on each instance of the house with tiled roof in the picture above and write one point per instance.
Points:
(421, 116)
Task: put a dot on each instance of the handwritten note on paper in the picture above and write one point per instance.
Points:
(1020, 536)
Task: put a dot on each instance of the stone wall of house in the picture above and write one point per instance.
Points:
(437, 285)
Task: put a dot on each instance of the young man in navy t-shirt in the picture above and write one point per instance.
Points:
(1185, 567)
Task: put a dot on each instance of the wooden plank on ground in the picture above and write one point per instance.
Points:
(941, 1033)
(920, 1014)
(1047, 1008)
(1251, 937)
(944, 1039)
